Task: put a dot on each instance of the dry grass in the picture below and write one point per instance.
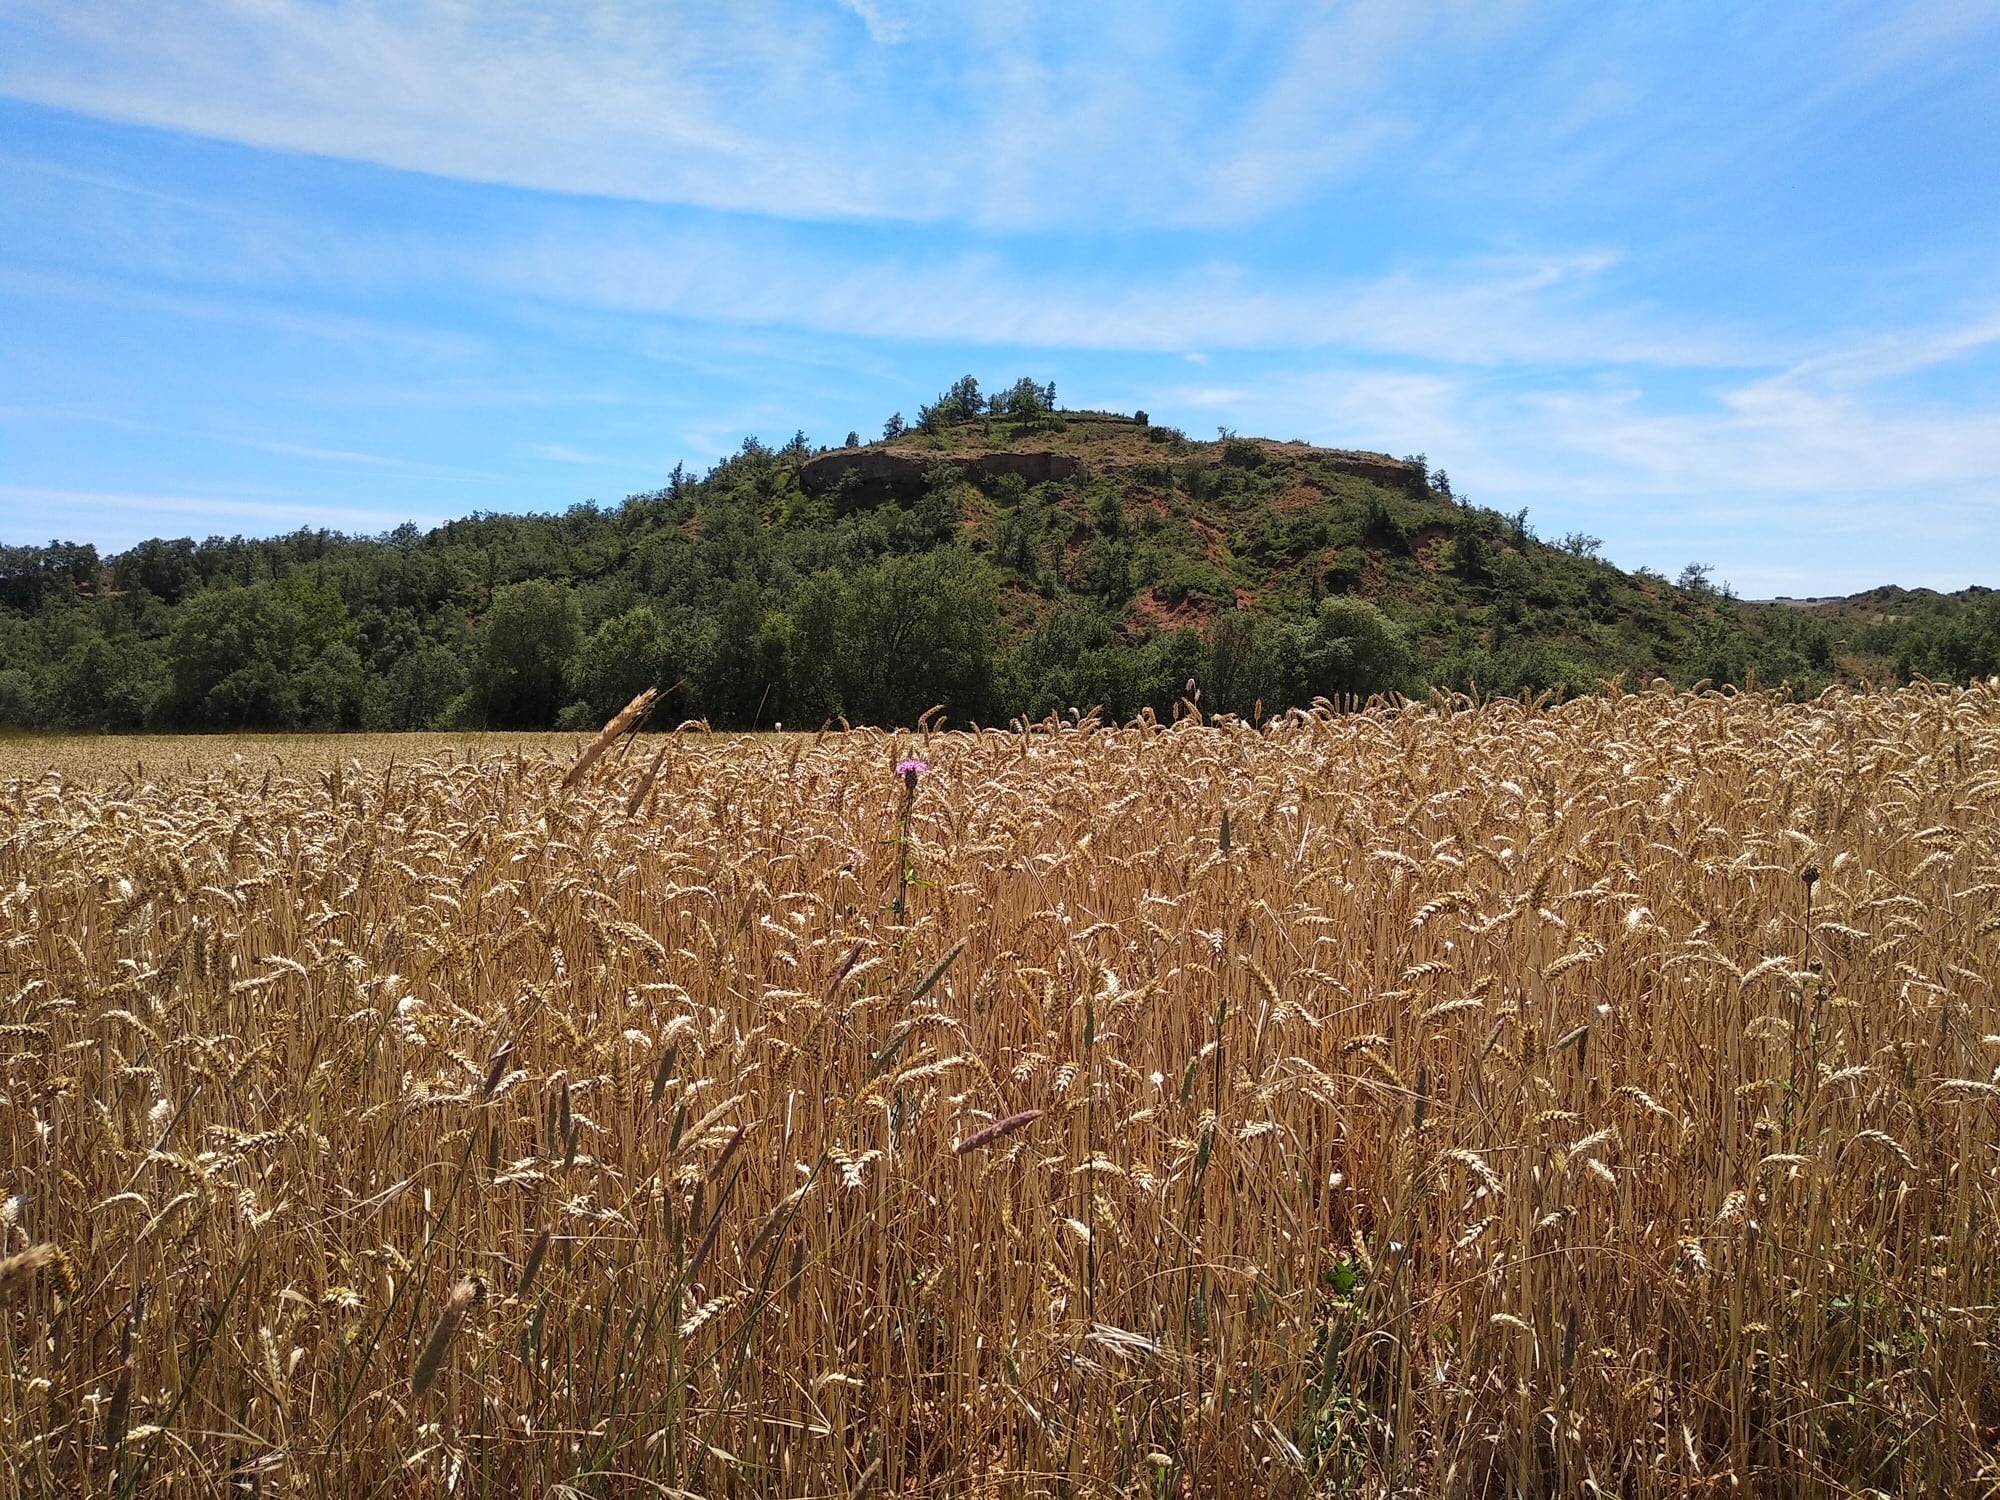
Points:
(1590, 1101)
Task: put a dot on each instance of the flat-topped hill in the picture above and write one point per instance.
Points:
(1060, 448)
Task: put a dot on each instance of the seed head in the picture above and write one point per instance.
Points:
(998, 1130)
(18, 1272)
(467, 1295)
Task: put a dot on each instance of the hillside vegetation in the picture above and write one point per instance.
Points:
(1000, 558)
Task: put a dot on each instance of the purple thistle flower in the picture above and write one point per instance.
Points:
(909, 768)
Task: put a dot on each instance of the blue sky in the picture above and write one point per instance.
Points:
(1713, 282)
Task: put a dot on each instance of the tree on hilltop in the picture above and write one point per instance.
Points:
(1025, 401)
(962, 403)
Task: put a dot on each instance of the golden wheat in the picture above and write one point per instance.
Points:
(1436, 1099)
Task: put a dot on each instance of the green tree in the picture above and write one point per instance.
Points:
(817, 625)
(1025, 402)
(525, 645)
(276, 655)
(747, 670)
(417, 692)
(1242, 670)
(167, 570)
(34, 578)
(1019, 529)
(1044, 672)
(18, 708)
(1347, 646)
(939, 514)
(1104, 568)
(1717, 650)
(1468, 558)
(1696, 578)
(962, 403)
(920, 630)
(621, 659)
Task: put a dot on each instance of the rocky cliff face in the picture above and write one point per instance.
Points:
(891, 466)
(1378, 468)
(905, 466)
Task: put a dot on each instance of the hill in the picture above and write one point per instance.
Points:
(1001, 558)
(1891, 633)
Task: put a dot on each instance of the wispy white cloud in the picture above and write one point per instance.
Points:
(594, 97)
(404, 338)
(1034, 114)
(1781, 438)
(1487, 311)
(1013, 115)
(561, 453)
(546, 256)
(25, 507)
(351, 456)
(884, 25)
(1210, 396)
(53, 414)
(1903, 351)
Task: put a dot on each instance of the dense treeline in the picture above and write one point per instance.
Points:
(753, 599)
(1947, 638)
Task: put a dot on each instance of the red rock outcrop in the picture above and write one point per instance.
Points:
(904, 467)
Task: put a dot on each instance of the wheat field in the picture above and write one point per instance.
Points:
(1453, 1100)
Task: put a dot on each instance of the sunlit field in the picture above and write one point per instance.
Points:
(157, 757)
(1594, 1100)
